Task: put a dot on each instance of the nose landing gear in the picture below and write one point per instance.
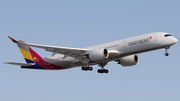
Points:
(166, 53)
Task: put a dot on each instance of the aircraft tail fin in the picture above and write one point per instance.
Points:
(33, 60)
(29, 55)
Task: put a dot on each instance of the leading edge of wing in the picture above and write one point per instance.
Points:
(47, 47)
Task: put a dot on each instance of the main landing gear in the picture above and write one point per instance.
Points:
(166, 53)
(87, 68)
(102, 70)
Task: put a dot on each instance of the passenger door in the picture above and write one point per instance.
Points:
(155, 37)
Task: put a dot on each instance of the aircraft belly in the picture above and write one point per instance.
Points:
(62, 63)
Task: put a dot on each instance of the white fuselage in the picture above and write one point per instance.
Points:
(125, 47)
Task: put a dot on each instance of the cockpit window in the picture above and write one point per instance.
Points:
(167, 35)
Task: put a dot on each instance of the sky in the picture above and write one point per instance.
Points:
(84, 23)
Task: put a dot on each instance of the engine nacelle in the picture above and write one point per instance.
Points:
(99, 54)
(129, 60)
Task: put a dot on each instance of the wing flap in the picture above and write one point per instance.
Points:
(20, 64)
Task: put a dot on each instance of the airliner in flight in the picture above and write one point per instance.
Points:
(122, 51)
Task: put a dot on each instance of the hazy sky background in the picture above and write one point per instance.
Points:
(83, 23)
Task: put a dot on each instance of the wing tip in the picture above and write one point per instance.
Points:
(6, 62)
(13, 40)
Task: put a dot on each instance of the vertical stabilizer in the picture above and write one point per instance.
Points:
(29, 55)
(34, 60)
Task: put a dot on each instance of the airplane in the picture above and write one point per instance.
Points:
(124, 52)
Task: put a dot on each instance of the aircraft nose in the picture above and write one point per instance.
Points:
(174, 40)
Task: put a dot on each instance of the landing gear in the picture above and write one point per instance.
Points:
(102, 70)
(166, 53)
(87, 68)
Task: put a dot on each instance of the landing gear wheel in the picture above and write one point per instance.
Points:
(90, 68)
(86, 68)
(166, 54)
(83, 68)
(106, 71)
(103, 71)
(99, 71)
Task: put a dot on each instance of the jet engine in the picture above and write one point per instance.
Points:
(99, 54)
(129, 60)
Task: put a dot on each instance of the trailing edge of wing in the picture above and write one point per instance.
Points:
(20, 64)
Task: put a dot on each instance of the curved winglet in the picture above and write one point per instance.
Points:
(13, 40)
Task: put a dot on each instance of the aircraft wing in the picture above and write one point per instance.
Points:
(77, 53)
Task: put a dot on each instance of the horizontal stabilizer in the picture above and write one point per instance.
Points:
(20, 64)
